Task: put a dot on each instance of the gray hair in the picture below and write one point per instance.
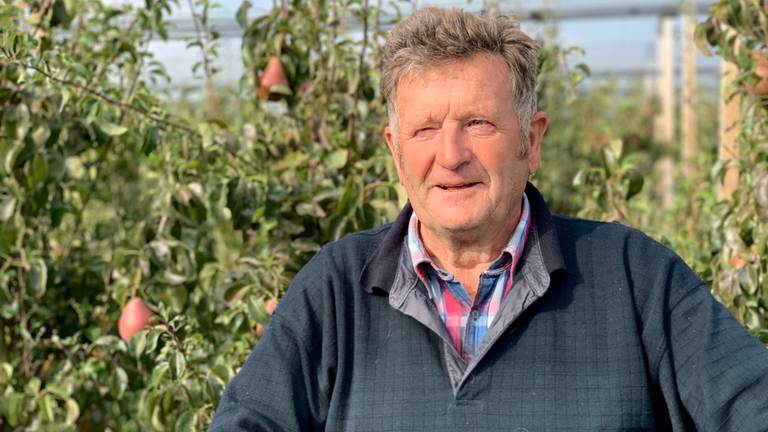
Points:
(432, 36)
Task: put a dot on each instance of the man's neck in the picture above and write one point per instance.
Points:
(467, 254)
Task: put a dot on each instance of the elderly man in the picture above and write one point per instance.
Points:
(477, 309)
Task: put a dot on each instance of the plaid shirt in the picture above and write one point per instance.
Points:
(468, 321)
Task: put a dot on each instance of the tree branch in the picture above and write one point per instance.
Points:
(25, 361)
(203, 43)
(114, 102)
(377, 26)
(359, 79)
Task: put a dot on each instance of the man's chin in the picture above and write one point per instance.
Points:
(461, 225)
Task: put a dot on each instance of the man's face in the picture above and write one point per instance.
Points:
(459, 146)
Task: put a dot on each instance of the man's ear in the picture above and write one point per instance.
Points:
(390, 138)
(539, 123)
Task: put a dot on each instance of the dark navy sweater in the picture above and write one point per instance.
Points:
(624, 337)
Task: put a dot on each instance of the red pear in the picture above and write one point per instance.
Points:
(761, 70)
(271, 305)
(134, 318)
(260, 330)
(272, 76)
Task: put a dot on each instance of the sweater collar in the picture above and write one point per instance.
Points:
(379, 271)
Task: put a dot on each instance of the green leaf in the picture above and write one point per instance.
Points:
(256, 312)
(222, 371)
(138, 342)
(110, 341)
(173, 278)
(151, 140)
(617, 146)
(179, 364)
(111, 128)
(59, 15)
(7, 208)
(152, 337)
(65, 96)
(161, 250)
(40, 135)
(158, 374)
(700, 39)
(347, 201)
(584, 69)
(73, 412)
(58, 390)
(187, 421)
(338, 158)
(38, 277)
(761, 191)
(118, 382)
(281, 89)
(10, 158)
(305, 245)
(242, 14)
(635, 182)
(47, 407)
(206, 133)
(6, 372)
(75, 167)
(93, 332)
(610, 159)
(156, 421)
(14, 403)
(218, 122)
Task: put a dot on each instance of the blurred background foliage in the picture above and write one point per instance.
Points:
(206, 209)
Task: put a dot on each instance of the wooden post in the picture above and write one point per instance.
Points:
(664, 124)
(730, 111)
(689, 87)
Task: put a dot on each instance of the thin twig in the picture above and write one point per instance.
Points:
(43, 11)
(358, 79)
(765, 23)
(361, 61)
(377, 26)
(78, 29)
(116, 53)
(204, 49)
(26, 364)
(136, 74)
(323, 133)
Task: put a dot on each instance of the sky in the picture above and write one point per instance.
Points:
(618, 46)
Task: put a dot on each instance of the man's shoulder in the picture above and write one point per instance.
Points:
(346, 255)
(575, 226)
(617, 251)
(607, 237)
(334, 268)
(358, 243)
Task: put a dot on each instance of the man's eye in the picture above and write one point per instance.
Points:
(480, 127)
(425, 133)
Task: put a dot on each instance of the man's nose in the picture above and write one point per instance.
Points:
(454, 149)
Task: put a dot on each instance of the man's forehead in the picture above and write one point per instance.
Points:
(436, 70)
(430, 93)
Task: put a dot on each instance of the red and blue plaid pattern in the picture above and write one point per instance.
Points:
(467, 321)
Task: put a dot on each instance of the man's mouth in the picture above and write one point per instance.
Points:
(456, 186)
